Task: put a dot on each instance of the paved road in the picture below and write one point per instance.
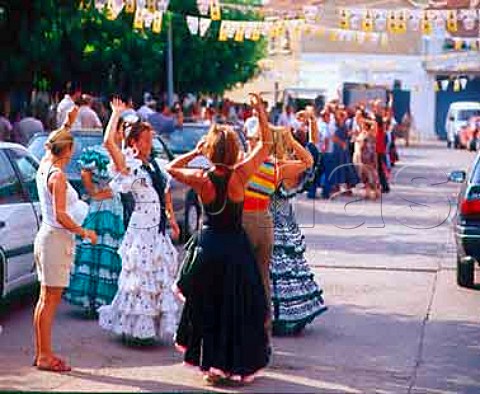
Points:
(397, 322)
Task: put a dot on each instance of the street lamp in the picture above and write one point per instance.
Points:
(169, 60)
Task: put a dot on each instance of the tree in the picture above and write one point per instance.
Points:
(47, 43)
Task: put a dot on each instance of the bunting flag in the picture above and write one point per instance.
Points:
(157, 22)
(204, 25)
(203, 6)
(452, 21)
(130, 6)
(215, 12)
(138, 19)
(148, 18)
(344, 20)
(426, 25)
(193, 24)
(151, 6)
(367, 22)
(222, 34)
(239, 33)
(311, 13)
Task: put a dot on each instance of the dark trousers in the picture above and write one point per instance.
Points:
(381, 163)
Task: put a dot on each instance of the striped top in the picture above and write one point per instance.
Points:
(260, 188)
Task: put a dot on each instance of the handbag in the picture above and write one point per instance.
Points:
(189, 266)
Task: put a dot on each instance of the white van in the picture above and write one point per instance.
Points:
(458, 116)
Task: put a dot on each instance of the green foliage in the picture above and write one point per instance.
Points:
(48, 42)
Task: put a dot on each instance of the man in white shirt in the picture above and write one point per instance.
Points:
(288, 118)
(148, 107)
(67, 103)
(325, 146)
(87, 118)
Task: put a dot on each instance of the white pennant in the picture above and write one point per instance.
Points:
(162, 5)
(204, 25)
(192, 23)
(100, 4)
(311, 13)
(203, 6)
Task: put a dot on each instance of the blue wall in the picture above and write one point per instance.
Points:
(445, 98)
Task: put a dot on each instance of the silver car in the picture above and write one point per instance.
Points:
(19, 217)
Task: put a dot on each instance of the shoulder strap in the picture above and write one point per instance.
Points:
(52, 171)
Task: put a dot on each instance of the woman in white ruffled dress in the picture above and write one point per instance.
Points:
(144, 308)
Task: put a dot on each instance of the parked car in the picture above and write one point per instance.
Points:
(458, 116)
(185, 202)
(19, 217)
(467, 223)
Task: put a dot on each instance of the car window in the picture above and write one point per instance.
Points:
(184, 140)
(27, 168)
(466, 114)
(10, 187)
(37, 149)
(159, 150)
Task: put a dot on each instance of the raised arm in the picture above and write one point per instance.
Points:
(109, 140)
(189, 176)
(247, 167)
(291, 169)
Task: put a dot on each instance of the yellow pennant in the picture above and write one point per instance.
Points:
(401, 26)
(157, 22)
(436, 86)
(151, 6)
(473, 45)
(240, 33)
(333, 36)
(457, 45)
(456, 85)
(391, 22)
(256, 34)
(138, 19)
(452, 21)
(426, 26)
(215, 13)
(109, 14)
(344, 19)
(129, 6)
(222, 34)
(367, 23)
(320, 32)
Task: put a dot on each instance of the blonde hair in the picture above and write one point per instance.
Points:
(279, 148)
(59, 140)
(222, 145)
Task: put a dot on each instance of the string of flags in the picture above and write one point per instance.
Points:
(456, 84)
(400, 21)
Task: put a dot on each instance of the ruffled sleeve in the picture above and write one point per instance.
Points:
(123, 183)
(94, 159)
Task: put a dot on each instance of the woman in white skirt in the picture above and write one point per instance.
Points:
(62, 210)
(144, 308)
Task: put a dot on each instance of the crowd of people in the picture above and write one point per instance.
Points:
(244, 276)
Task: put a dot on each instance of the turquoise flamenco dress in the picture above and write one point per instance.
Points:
(94, 277)
(296, 297)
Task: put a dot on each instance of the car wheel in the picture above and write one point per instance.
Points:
(465, 271)
(449, 144)
(456, 143)
(192, 217)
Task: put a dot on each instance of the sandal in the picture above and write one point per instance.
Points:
(54, 365)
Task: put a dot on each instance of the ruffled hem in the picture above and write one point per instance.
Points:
(142, 327)
(284, 327)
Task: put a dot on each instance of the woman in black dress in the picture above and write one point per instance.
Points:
(222, 328)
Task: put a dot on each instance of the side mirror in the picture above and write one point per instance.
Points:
(457, 176)
(451, 119)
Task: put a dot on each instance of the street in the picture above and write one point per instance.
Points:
(397, 321)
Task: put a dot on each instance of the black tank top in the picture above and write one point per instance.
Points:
(222, 213)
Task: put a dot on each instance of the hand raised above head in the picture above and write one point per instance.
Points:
(255, 100)
(117, 105)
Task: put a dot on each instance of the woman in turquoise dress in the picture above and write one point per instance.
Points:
(296, 298)
(93, 281)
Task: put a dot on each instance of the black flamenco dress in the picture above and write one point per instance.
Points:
(223, 321)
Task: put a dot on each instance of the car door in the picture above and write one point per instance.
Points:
(18, 225)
